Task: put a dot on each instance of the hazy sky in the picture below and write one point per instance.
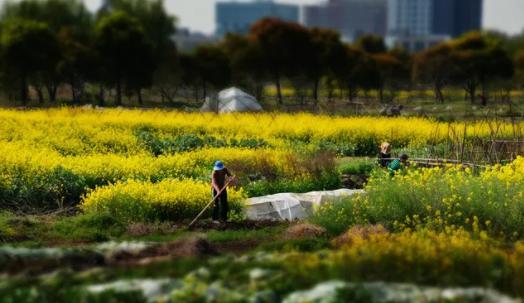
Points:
(504, 15)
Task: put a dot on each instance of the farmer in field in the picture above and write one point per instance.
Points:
(384, 157)
(219, 188)
(398, 165)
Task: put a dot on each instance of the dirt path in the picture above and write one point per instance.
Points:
(190, 243)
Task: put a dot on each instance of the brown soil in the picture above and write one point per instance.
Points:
(359, 232)
(193, 247)
(141, 229)
(76, 261)
(199, 246)
(304, 231)
(206, 225)
(239, 247)
(354, 181)
(196, 246)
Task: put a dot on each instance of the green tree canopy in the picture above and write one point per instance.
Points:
(247, 62)
(388, 67)
(212, 67)
(371, 44)
(72, 23)
(286, 46)
(477, 61)
(125, 53)
(29, 50)
(159, 28)
(519, 65)
(350, 70)
(70, 15)
(434, 65)
(158, 25)
(328, 52)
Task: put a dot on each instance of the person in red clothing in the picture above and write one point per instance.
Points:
(218, 187)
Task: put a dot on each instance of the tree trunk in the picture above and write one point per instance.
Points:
(204, 90)
(259, 89)
(101, 96)
(24, 95)
(118, 93)
(330, 94)
(438, 92)
(301, 95)
(166, 96)
(351, 93)
(315, 90)
(74, 96)
(471, 89)
(330, 91)
(81, 91)
(40, 93)
(51, 91)
(484, 96)
(381, 94)
(139, 96)
(77, 90)
(279, 90)
(195, 93)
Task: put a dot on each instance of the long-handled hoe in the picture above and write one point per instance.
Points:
(211, 202)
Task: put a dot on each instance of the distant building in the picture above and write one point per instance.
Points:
(186, 41)
(423, 23)
(415, 43)
(352, 18)
(456, 17)
(238, 17)
(410, 17)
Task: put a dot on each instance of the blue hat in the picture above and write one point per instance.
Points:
(218, 165)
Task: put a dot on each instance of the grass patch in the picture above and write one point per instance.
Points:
(239, 235)
(95, 227)
(36, 231)
(302, 245)
(27, 230)
(337, 217)
(356, 166)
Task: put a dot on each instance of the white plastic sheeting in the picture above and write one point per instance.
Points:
(380, 292)
(232, 100)
(290, 206)
(151, 289)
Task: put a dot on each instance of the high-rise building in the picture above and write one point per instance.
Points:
(417, 24)
(186, 41)
(238, 17)
(410, 17)
(456, 17)
(352, 18)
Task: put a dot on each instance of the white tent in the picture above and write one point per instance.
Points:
(232, 100)
(290, 206)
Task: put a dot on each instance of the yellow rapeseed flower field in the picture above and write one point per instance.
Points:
(489, 201)
(169, 199)
(80, 131)
(56, 156)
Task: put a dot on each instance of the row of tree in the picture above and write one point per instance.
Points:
(314, 58)
(48, 43)
(127, 47)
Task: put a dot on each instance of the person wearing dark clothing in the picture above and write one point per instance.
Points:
(384, 157)
(218, 184)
